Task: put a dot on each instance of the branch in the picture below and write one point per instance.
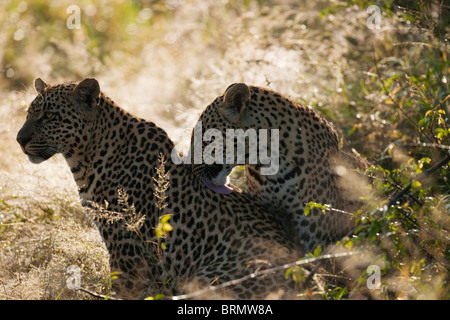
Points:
(399, 107)
(97, 295)
(424, 174)
(259, 273)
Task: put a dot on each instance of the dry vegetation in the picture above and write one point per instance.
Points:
(386, 91)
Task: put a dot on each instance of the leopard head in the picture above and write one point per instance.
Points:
(57, 119)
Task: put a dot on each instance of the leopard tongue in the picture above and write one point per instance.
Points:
(223, 189)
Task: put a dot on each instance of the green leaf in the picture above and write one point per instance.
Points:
(288, 272)
(165, 218)
(416, 185)
(307, 210)
(167, 227)
(158, 296)
(318, 251)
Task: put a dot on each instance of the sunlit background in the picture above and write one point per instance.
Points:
(166, 60)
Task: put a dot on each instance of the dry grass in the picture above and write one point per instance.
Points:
(42, 227)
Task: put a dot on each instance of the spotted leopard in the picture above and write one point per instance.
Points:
(215, 238)
(312, 167)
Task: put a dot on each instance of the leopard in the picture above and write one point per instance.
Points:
(316, 187)
(212, 240)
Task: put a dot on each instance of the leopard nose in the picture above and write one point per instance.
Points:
(22, 139)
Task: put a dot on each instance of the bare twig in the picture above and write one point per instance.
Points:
(264, 272)
(97, 295)
(424, 174)
(399, 107)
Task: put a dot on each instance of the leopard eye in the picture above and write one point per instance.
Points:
(49, 114)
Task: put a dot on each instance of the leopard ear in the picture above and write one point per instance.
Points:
(87, 91)
(40, 85)
(234, 101)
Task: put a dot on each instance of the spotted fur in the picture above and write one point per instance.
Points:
(311, 165)
(215, 238)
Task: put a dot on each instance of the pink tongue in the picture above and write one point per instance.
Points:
(223, 189)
